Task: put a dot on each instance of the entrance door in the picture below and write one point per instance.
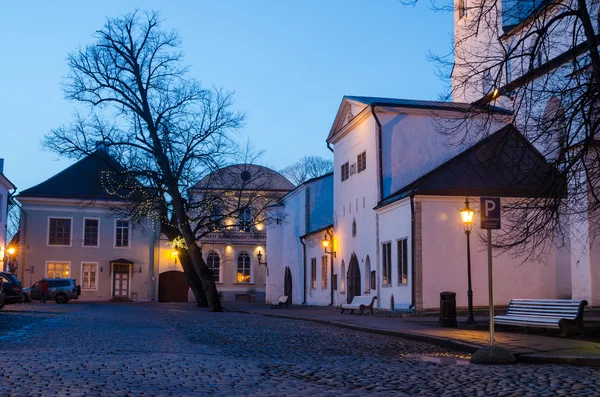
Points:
(353, 277)
(287, 283)
(120, 280)
(172, 287)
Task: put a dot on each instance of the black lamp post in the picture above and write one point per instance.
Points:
(467, 219)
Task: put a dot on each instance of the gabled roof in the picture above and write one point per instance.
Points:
(505, 164)
(408, 104)
(82, 180)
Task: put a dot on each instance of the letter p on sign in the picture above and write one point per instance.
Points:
(490, 212)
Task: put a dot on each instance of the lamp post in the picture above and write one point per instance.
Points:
(259, 256)
(467, 220)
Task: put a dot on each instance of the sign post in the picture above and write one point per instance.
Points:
(490, 219)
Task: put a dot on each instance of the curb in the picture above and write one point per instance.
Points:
(461, 346)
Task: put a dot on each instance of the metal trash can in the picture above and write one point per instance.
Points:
(447, 309)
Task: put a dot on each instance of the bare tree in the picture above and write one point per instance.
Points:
(165, 132)
(541, 61)
(306, 168)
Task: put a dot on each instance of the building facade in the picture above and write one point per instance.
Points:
(6, 189)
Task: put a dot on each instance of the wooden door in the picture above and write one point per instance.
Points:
(121, 280)
(172, 287)
(287, 284)
(353, 278)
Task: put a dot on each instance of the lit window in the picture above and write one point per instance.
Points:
(58, 270)
(323, 272)
(403, 261)
(89, 276)
(59, 232)
(90, 232)
(214, 263)
(243, 268)
(387, 263)
(313, 273)
(122, 233)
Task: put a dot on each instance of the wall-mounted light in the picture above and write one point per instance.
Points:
(325, 243)
(259, 256)
(175, 255)
(11, 250)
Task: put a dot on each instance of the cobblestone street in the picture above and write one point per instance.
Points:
(176, 349)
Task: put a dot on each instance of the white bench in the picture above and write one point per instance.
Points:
(544, 313)
(359, 303)
(281, 302)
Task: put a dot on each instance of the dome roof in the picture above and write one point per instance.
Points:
(245, 177)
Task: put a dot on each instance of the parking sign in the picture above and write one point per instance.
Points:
(490, 212)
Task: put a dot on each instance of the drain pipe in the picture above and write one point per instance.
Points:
(304, 269)
(329, 146)
(379, 151)
(413, 255)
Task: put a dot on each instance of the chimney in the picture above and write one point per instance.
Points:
(101, 145)
(1, 166)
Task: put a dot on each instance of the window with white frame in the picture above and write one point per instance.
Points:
(361, 161)
(313, 273)
(387, 263)
(403, 261)
(345, 171)
(243, 268)
(122, 233)
(213, 261)
(324, 272)
(59, 231)
(58, 269)
(90, 232)
(89, 276)
(246, 219)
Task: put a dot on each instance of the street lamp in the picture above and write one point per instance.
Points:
(259, 256)
(325, 243)
(467, 219)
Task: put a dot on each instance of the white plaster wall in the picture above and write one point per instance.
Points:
(3, 213)
(354, 199)
(444, 263)
(395, 224)
(318, 296)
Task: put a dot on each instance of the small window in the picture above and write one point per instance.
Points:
(462, 9)
(58, 269)
(89, 276)
(122, 234)
(403, 261)
(373, 279)
(216, 218)
(362, 161)
(90, 232)
(59, 232)
(246, 218)
(345, 171)
(213, 261)
(387, 263)
(313, 273)
(243, 268)
(353, 227)
(323, 272)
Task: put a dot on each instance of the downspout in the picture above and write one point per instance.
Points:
(304, 270)
(413, 255)
(329, 146)
(379, 152)
(330, 232)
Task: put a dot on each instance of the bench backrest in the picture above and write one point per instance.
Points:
(362, 300)
(550, 308)
(283, 299)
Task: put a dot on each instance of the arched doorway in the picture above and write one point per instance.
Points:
(172, 287)
(287, 284)
(353, 278)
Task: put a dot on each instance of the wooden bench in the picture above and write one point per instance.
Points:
(544, 313)
(359, 303)
(281, 302)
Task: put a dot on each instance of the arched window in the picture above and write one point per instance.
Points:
(368, 275)
(243, 268)
(343, 278)
(246, 220)
(353, 227)
(213, 261)
(553, 128)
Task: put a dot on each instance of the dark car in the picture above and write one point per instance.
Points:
(60, 289)
(12, 288)
(1, 296)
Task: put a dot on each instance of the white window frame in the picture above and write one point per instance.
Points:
(313, 273)
(220, 265)
(68, 263)
(387, 282)
(129, 233)
(70, 232)
(83, 235)
(96, 278)
(237, 255)
(400, 282)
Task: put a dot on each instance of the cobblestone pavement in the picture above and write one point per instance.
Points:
(176, 349)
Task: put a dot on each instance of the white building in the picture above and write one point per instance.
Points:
(297, 264)
(5, 190)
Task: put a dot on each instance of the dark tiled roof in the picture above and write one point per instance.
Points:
(504, 164)
(82, 180)
(246, 177)
(419, 104)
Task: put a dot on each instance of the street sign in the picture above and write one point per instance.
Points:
(490, 212)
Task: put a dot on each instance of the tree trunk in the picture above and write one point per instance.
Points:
(206, 276)
(192, 279)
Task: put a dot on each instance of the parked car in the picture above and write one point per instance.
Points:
(60, 289)
(1, 296)
(12, 288)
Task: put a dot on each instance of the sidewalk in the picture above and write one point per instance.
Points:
(527, 348)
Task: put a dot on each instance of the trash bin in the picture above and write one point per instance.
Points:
(447, 309)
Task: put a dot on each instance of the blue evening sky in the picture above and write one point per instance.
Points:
(289, 63)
